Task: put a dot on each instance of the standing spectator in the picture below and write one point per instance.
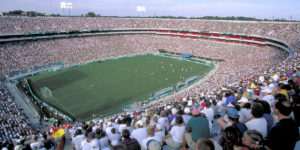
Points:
(196, 128)
(130, 143)
(285, 133)
(257, 122)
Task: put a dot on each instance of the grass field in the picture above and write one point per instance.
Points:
(105, 87)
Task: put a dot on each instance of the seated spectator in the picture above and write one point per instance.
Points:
(48, 143)
(90, 143)
(208, 111)
(285, 133)
(268, 97)
(231, 138)
(77, 139)
(233, 117)
(196, 128)
(114, 137)
(35, 145)
(129, 143)
(151, 138)
(140, 133)
(159, 132)
(252, 140)
(245, 112)
(204, 144)
(174, 138)
(257, 123)
(267, 115)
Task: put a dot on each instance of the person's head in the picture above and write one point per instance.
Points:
(233, 114)
(257, 110)
(118, 147)
(179, 120)
(91, 136)
(247, 106)
(126, 133)
(266, 106)
(252, 139)
(140, 124)
(280, 97)
(78, 132)
(195, 112)
(204, 144)
(231, 136)
(150, 130)
(45, 136)
(113, 130)
(283, 108)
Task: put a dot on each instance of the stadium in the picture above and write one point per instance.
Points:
(104, 71)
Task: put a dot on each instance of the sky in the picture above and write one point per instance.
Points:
(189, 8)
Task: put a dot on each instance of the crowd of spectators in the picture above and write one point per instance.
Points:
(286, 31)
(13, 123)
(259, 111)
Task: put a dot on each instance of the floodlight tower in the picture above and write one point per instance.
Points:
(63, 5)
(140, 9)
(69, 6)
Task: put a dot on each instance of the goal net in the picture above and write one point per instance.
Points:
(46, 92)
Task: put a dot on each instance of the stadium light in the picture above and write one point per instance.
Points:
(65, 5)
(140, 9)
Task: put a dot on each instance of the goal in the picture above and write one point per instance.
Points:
(46, 92)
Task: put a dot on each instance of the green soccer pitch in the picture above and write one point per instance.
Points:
(102, 88)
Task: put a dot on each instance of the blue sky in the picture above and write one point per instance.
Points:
(189, 8)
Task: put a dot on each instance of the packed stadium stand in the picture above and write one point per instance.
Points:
(250, 101)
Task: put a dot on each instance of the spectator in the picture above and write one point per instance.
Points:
(252, 140)
(267, 115)
(77, 139)
(174, 138)
(151, 138)
(114, 137)
(196, 128)
(204, 144)
(257, 123)
(140, 133)
(285, 133)
(130, 144)
(231, 138)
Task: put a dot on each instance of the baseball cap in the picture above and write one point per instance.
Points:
(267, 90)
(187, 110)
(195, 111)
(140, 123)
(91, 135)
(244, 100)
(232, 113)
(190, 103)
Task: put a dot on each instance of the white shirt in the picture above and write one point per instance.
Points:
(261, 79)
(177, 133)
(270, 99)
(209, 113)
(186, 118)
(139, 134)
(258, 124)
(104, 142)
(76, 141)
(163, 121)
(159, 135)
(85, 145)
(114, 138)
(36, 145)
(245, 114)
(95, 144)
(145, 141)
